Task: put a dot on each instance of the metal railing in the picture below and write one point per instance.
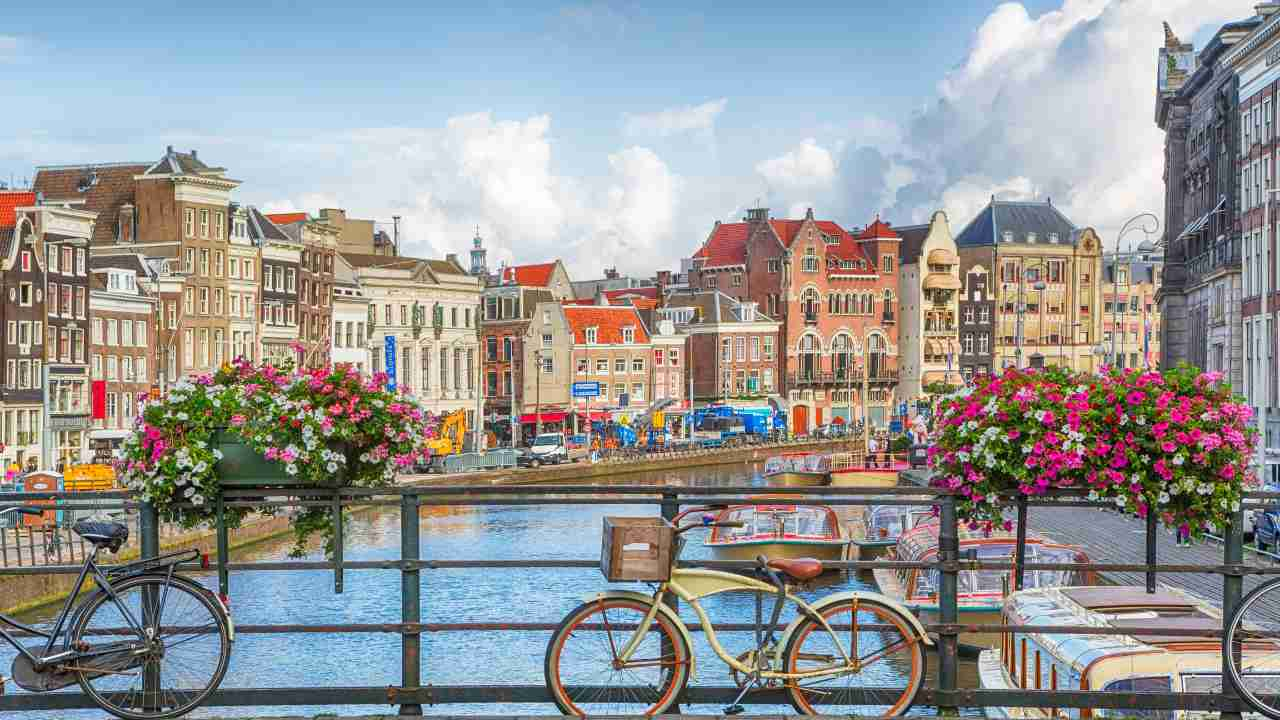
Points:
(1224, 255)
(411, 690)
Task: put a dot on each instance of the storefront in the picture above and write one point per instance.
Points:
(545, 422)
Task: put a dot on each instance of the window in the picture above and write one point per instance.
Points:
(740, 347)
(204, 301)
(189, 216)
(219, 345)
(590, 335)
(620, 365)
(659, 356)
(984, 343)
(491, 348)
(968, 343)
(219, 227)
(24, 294)
(126, 332)
(737, 280)
(404, 315)
(637, 365)
(810, 263)
(246, 268)
(619, 389)
(217, 262)
(546, 340)
(886, 263)
(506, 348)
(984, 315)
(726, 350)
(112, 334)
(204, 347)
(112, 363)
(673, 357)
(204, 263)
(637, 392)
(583, 364)
(126, 368)
(768, 348)
(140, 369)
(602, 366)
(548, 364)
(95, 366)
(96, 334)
(755, 349)
(291, 280)
(775, 266)
(628, 335)
(767, 380)
(204, 223)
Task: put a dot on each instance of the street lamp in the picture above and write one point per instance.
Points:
(1149, 224)
(1038, 285)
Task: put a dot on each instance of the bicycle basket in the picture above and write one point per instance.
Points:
(636, 549)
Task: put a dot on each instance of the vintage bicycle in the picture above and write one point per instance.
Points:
(629, 653)
(1252, 642)
(147, 644)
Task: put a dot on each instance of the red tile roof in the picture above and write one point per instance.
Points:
(647, 291)
(879, 229)
(728, 243)
(286, 218)
(529, 275)
(608, 322)
(11, 199)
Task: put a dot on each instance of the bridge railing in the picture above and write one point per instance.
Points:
(412, 690)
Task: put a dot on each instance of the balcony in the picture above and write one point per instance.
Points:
(839, 379)
(888, 318)
(1223, 256)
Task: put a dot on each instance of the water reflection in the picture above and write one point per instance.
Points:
(486, 595)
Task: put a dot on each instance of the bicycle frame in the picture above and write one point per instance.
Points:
(692, 584)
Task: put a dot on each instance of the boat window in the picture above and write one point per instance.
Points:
(887, 526)
(1212, 683)
(992, 581)
(1138, 685)
(925, 583)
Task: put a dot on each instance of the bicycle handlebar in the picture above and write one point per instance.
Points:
(22, 510)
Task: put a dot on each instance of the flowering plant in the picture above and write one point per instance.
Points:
(1174, 442)
(324, 426)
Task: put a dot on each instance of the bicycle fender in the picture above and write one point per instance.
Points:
(840, 597)
(663, 609)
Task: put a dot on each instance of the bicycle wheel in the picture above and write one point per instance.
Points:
(1254, 634)
(192, 644)
(889, 651)
(584, 676)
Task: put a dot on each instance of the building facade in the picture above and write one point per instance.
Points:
(350, 319)
(281, 256)
(929, 338)
(319, 242)
(22, 318)
(1130, 314)
(1044, 284)
(122, 346)
(977, 322)
(836, 296)
(733, 350)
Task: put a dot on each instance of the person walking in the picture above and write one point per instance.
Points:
(1184, 536)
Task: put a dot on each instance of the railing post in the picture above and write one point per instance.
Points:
(224, 580)
(1232, 586)
(149, 528)
(948, 555)
(338, 541)
(670, 508)
(1151, 550)
(410, 601)
(1020, 550)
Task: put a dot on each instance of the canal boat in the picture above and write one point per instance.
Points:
(981, 593)
(875, 533)
(1114, 662)
(853, 470)
(776, 529)
(800, 469)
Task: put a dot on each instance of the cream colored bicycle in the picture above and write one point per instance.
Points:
(628, 653)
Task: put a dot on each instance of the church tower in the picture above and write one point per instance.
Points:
(479, 264)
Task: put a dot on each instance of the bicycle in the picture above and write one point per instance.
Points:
(629, 653)
(1252, 642)
(147, 644)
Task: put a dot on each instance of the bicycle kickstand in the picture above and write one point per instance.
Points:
(736, 707)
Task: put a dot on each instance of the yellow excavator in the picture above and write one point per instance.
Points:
(453, 431)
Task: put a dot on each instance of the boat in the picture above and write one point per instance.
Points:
(980, 593)
(778, 530)
(800, 469)
(854, 470)
(1113, 662)
(876, 532)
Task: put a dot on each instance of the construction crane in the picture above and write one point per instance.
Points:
(453, 433)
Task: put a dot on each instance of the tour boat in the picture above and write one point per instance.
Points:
(980, 593)
(854, 470)
(1113, 662)
(778, 530)
(798, 469)
(877, 532)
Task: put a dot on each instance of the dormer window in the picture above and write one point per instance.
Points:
(1008, 236)
(591, 336)
(1031, 238)
(1053, 238)
(628, 335)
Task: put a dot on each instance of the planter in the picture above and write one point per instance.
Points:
(243, 467)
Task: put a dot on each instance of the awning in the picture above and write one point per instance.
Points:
(936, 376)
(943, 256)
(109, 434)
(1203, 220)
(547, 417)
(932, 347)
(939, 281)
(596, 415)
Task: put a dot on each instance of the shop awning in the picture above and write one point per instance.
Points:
(547, 417)
(597, 415)
(1203, 220)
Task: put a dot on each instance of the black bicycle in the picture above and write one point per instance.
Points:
(148, 643)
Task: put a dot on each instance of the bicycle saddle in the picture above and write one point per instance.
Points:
(102, 533)
(798, 569)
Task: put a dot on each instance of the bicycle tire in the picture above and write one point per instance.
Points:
(673, 675)
(169, 590)
(917, 658)
(1235, 629)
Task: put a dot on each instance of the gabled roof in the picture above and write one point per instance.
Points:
(728, 242)
(608, 320)
(878, 230)
(96, 188)
(262, 229)
(131, 261)
(528, 275)
(913, 237)
(366, 260)
(713, 307)
(11, 199)
(1020, 219)
(178, 163)
(287, 218)
(446, 267)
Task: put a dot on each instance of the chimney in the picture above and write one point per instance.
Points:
(611, 273)
(194, 156)
(168, 150)
(452, 257)
(808, 214)
(758, 215)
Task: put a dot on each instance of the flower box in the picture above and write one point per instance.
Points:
(243, 467)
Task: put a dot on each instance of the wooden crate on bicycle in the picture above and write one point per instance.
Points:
(636, 549)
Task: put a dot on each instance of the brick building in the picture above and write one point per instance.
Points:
(122, 345)
(732, 349)
(280, 256)
(22, 318)
(319, 241)
(836, 296)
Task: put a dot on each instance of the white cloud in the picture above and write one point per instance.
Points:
(635, 222)
(675, 121)
(807, 166)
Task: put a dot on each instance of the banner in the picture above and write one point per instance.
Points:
(98, 392)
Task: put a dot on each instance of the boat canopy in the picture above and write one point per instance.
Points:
(798, 462)
(890, 521)
(789, 521)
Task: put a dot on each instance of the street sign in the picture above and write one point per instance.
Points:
(586, 389)
(389, 344)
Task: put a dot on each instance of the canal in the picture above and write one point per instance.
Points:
(450, 533)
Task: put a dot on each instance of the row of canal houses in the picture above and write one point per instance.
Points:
(127, 277)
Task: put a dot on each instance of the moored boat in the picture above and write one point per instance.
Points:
(855, 470)
(980, 593)
(801, 469)
(877, 530)
(1114, 662)
(778, 530)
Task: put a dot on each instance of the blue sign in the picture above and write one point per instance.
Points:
(586, 389)
(389, 343)
(902, 408)
(895, 426)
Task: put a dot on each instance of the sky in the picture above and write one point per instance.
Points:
(610, 134)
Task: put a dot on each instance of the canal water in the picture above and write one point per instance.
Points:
(485, 595)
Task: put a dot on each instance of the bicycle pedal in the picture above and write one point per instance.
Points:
(734, 710)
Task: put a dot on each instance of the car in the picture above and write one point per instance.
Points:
(1266, 527)
(831, 431)
(919, 456)
(547, 449)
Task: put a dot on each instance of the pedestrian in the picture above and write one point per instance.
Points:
(1184, 535)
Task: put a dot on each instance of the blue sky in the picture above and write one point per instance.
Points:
(562, 128)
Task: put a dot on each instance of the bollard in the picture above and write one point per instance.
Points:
(1021, 547)
(410, 602)
(1151, 551)
(1232, 586)
(948, 555)
(670, 508)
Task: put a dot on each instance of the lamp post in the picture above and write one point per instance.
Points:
(1149, 224)
(1022, 307)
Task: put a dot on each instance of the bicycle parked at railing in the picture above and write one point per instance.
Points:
(148, 643)
(628, 653)
(1252, 641)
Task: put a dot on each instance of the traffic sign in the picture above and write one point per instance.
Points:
(586, 389)
(390, 346)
